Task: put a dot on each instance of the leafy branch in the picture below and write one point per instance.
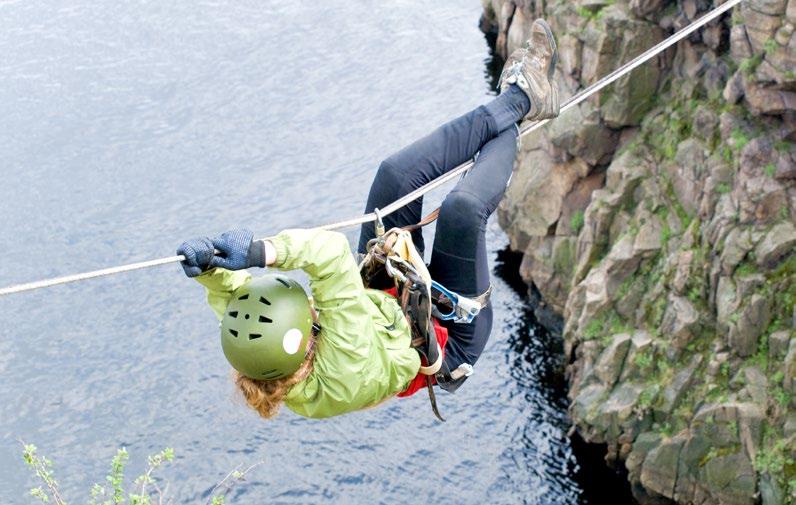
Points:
(144, 490)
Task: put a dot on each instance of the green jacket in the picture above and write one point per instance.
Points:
(363, 354)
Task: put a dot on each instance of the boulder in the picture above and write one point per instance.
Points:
(778, 344)
(659, 470)
(612, 360)
(681, 382)
(548, 263)
(789, 367)
(737, 245)
(734, 89)
(682, 272)
(770, 7)
(687, 173)
(740, 47)
(575, 204)
(731, 479)
(534, 200)
(581, 133)
(648, 239)
(617, 39)
(780, 241)
(641, 343)
(753, 321)
(755, 385)
(519, 30)
(767, 100)
(726, 300)
(680, 321)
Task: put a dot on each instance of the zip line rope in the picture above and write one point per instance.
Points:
(439, 181)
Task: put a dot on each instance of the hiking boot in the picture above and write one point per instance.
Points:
(531, 68)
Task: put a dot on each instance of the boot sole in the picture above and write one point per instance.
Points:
(552, 41)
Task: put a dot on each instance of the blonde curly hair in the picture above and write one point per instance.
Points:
(265, 396)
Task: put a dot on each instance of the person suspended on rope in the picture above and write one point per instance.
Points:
(351, 347)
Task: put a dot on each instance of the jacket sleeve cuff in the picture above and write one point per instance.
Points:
(282, 252)
(257, 253)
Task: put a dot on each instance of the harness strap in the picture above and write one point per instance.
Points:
(430, 218)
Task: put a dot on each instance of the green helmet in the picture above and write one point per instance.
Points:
(265, 329)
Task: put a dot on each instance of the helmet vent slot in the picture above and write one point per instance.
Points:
(264, 319)
(234, 333)
(254, 336)
(234, 313)
(268, 374)
(283, 282)
(244, 297)
(264, 300)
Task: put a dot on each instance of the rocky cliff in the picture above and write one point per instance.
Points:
(657, 221)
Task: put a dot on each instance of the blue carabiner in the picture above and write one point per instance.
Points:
(453, 297)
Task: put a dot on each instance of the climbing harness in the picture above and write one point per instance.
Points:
(414, 195)
(392, 256)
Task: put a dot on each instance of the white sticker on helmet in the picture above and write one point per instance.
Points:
(292, 340)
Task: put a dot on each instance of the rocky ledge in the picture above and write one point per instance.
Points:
(657, 222)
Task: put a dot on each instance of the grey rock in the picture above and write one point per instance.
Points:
(771, 492)
(731, 479)
(582, 133)
(756, 384)
(778, 242)
(770, 7)
(778, 344)
(680, 321)
(737, 245)
(764, 100)
(706, 122)
(659, 470)
(740, 47)
(754, 319)
(683, 272)
(612, 360)
(726, 302)
(681, 381)
(789, 368)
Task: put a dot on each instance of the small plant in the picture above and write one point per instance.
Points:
(576, 222)
(770, 46)
(666, 233)
(694, 294)
(745, 269)
(144, 490)
(723, 188)
(773, 459)
(781, 396)
(43, 468)
(749, 65)
(770, 170)
(739, 138)
(643, 360)
(593, 329)
(647, 397)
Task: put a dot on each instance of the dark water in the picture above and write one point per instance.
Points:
(128, 126)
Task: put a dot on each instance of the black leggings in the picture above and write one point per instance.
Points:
(458, 258)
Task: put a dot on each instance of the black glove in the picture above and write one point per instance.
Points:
(238, 251)
(198, 253)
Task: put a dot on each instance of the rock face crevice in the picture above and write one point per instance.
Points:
(658, 220)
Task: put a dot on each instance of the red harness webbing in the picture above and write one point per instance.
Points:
(441, 333)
